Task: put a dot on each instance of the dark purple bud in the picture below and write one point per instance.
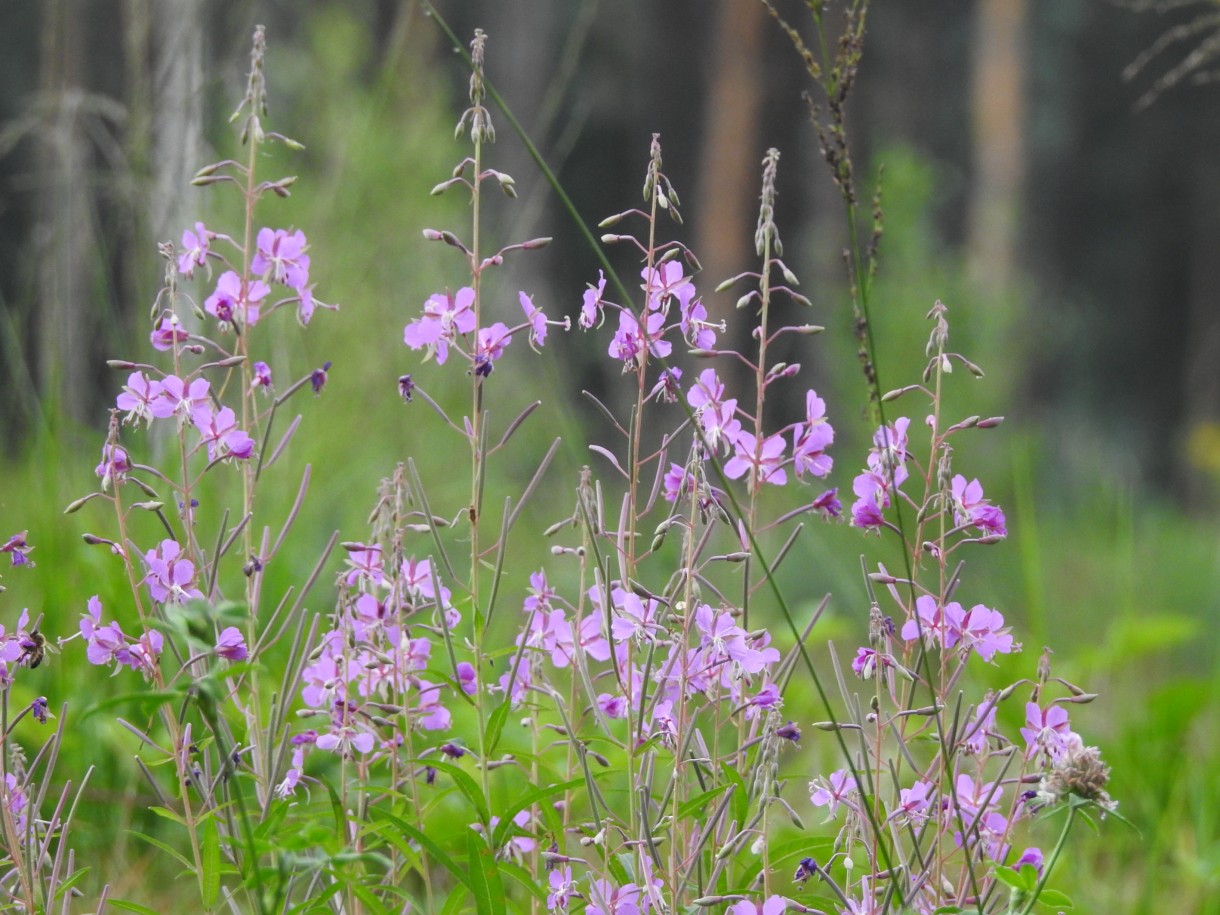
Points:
(453, 751)
(805, 869)
(789, 732)
(430, 775)
(318, 377)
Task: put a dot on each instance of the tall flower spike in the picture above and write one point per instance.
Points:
(766, 209)
(256, 89)
(480, 119)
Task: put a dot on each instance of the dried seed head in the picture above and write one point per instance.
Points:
(1080, 772)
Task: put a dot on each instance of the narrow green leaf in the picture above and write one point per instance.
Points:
(698, 803)
(64, 885)
(484, 875)
(741, 797)
(528, 800)
(453, 903)
(1054, 898)
(168, 849)
(523, 877)
(466, 785)
(131, 907)
(1018, 881)
(144, 702)
(495, 727)
(435, 851)
(209, 881)
(168, 814)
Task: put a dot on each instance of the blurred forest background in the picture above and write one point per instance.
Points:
(1051, 173)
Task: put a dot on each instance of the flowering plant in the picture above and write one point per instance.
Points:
(625, 736)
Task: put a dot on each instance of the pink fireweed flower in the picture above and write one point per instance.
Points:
(828, 503)
(761, 462)
(170, 574)
(562, 888)
(13, 647)
(1047, 731)
(234, 302)
(467, 678)
(138, 397)
(15, 802)
(536, 319)
(324, 681)
(18, 549)
(262, 377)
(143, 654)
(591, 310)
(969, 507)
(168, 334)
(869, 661)
(1031, 856)
(632, 617)
(613, 706)
(177, 398)
(983, 630)
(772, 905)
(432, 715)
(547, 629)
(939, 625)
(517, 845)
(664, 282)
(607, 899)
(114, 466)
(194, 249)
(416, 577)
(489, 346)
(520, 685)
(282, 254)
(766, 698)
(678, 482)
(592, 642)
(913, 803)
(725, 640)
(365, 565)
(696, 329)
(221, 435)
(811, 439)
(630, 340)
(974, 739)
(292, 777)
(540, 594)
(716, 414)
(972, 798)
(668, 387)
(445, 316)
(104, 644)
(872, 491)
(890, 447)
(832, 791)
(346, 735)
(231, 645)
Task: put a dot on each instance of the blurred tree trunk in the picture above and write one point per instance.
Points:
(999, 153)
(164, 130)
(64, 235)
(177, 126)
(730, 169)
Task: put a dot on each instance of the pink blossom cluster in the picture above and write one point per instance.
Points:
(449, 322)
(376, 656)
